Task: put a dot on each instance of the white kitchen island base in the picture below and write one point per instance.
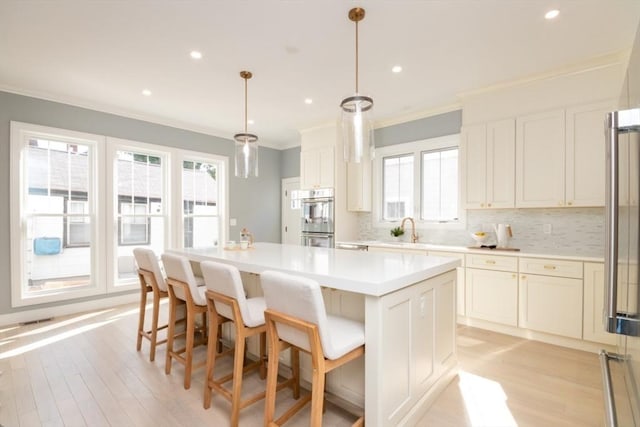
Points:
(409, 316)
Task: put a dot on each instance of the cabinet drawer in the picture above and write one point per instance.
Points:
(551, 267)
(492, 262)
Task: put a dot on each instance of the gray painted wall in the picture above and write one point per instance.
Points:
(416, 130)
(254, 202)
(290, 162)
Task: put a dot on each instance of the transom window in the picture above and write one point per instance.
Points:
(419, 180)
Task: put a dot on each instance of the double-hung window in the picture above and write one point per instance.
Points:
(80, 204)
(419, 180)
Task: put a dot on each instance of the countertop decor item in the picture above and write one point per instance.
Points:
(480, 237)
(357, 129)
(246, 158)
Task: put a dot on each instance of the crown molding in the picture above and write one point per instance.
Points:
(417, 115)
(592, 64)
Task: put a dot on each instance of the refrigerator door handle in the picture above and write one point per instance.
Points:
(611, 224)
(609, 400)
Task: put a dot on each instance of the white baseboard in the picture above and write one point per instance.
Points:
(66, 309)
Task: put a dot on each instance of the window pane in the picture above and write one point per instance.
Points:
(140, 208)
(440, 185)
(58, 235)
(397, 195)
(200, 204)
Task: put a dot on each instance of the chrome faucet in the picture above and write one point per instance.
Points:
(414, 236)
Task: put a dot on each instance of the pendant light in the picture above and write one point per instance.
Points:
(246, 158)
(357, 130)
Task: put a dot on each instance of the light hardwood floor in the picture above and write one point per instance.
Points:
(83, 370)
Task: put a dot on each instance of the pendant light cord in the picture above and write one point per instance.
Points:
(356, 57)
(245, 105)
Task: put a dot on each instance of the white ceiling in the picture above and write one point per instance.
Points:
(101, 54)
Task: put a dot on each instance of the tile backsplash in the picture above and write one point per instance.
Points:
(573, 231)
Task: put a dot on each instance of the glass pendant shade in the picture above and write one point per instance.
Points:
(246, 155)
(246, 144)
(357, 128)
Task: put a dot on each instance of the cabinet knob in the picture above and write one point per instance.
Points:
(488, 205)
(523, 277)
(482, 205)
(569, 203)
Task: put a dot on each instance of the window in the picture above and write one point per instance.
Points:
(200, 204)
(398, 187)
(440, 185)
(419, 180)
(80, 203)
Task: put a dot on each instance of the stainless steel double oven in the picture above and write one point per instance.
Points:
(317, 208)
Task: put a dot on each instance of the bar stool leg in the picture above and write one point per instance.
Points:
(171, 330)
(212, 349)
(295, 370)
(272, 382)
(317, 397)
(238, 365)
(143, 307)
(263, 355)
(188, 353)
(154, 326)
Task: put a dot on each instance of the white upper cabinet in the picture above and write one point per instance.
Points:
(317, 168)
(540, 160)
(585, 149)
(359, 186)
(489, 159)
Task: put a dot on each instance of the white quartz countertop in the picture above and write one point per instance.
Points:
(369, 273)
(464, 249)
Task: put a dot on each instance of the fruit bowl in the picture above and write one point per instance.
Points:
(480, 237)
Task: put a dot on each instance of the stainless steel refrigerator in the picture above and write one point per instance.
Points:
(621, 369)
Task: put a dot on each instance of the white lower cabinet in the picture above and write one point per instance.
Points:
(551, 304)
(593, 326)
(492, 295)
(551, 296)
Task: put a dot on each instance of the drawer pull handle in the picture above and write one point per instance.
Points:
(550, 267)
(490, 261)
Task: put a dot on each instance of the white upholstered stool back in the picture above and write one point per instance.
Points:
(301, 298)
(147, 260)
(178, 267)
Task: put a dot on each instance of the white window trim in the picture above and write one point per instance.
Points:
(415, 148)
(102, 184)
(19, 133)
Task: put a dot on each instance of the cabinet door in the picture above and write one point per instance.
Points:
(309, 169)
(501, 164)
(327, 167)
(585, 165)
(359, 186)
(551, 304)
(540, 144)
(492, 295)
(474, 154)
(593, 328)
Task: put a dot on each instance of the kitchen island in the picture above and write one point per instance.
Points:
(407, 303)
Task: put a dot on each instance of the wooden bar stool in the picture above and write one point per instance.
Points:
(182, 286)
(296, 318)
(227, 302)
(151, 280)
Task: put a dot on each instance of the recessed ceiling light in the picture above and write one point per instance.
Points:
(196, 55)
(146, 92)
(250, 121)
(308, 101)
(396, 68)
(552, 14)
